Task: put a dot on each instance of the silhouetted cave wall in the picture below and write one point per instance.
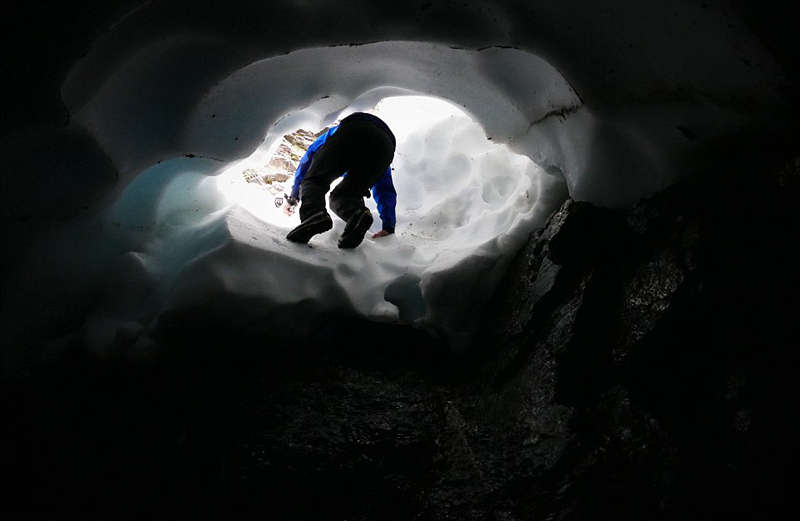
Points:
(41, 41)
(642, 364)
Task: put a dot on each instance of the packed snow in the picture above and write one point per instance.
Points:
(137, 215)
(465, 206)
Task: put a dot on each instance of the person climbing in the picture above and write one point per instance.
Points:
(360, 148)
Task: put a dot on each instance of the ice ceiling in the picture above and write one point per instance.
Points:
(604, 102)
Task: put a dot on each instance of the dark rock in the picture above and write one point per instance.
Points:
(624, 361)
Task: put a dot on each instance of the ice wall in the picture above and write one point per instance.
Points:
(614, 101)
(465, 205)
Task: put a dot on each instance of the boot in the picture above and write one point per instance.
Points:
(357, 225)
(317, 223)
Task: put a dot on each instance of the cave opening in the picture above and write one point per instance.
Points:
(259, 182)
(186, 228)
(465, 203)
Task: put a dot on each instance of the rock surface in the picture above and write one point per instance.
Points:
(283, 163)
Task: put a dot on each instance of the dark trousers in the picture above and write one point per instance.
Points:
(360, 149)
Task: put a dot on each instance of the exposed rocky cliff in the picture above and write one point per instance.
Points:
(283, 163)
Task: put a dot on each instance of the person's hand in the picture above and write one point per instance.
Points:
(382, 233)
(289, 205)
(288, 209)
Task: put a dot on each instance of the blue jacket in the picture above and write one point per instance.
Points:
(383, 190)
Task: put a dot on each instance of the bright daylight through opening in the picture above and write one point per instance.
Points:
(260, 182)
(464, 207)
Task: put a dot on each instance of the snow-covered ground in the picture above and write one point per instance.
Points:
(465, 206)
